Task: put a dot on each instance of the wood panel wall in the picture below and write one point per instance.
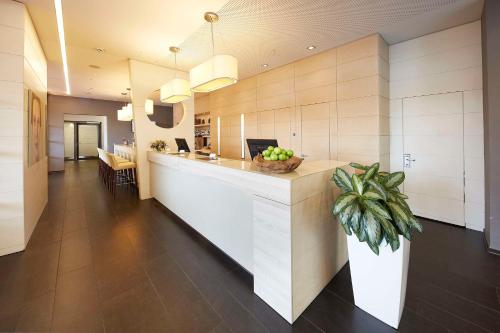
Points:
(331, 105)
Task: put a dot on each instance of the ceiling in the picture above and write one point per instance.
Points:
(141, 30)
(254, 31)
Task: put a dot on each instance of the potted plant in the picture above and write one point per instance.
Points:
(372, 210)
(158, 145)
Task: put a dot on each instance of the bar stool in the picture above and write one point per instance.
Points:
(120, 173)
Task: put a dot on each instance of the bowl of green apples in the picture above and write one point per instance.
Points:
(276, 160)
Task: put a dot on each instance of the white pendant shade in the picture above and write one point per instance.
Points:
(149, 106)
(125, 113)
(175, 91)
(215, 73)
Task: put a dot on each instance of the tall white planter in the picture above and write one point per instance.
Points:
(379, 282)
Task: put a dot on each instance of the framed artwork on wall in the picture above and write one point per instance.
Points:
(36, 131)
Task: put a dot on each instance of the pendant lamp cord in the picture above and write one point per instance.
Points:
(175, 62)
(213, 43)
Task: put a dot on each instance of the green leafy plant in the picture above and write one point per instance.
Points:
(372, 207)
(158, 145)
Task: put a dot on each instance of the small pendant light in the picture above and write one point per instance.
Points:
(175, 90)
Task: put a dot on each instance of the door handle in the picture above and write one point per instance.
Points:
(407, 160)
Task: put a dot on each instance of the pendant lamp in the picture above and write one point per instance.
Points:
(217, 72)
(149, 106)
(175, 90)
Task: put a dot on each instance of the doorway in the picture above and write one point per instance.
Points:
(81, 140)
(433, 156)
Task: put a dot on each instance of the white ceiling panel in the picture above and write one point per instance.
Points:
(275, 32)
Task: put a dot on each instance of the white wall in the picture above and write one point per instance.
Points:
(23, 189)
(444, 62)
(11, 127)
(144, 79)
(35, 176)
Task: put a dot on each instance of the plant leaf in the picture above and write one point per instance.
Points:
(372, 228)
(416, 224)
(372, 195)
(373, 247)
(357, 184)
(394, 243)
(377, 209)
(345, 215)
(401, 195)
(372, 171)
(347, 229)
(355, 218)
(362, 231)
(344, 178)
(378, 188)
(394, 179)
(343, 201)
(390, 231)
(403, 228)
(341, 185)
(358, 166)
(399, 211)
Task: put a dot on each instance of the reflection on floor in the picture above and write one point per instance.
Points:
(98, 264)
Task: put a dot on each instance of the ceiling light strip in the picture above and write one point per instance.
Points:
(62, 42)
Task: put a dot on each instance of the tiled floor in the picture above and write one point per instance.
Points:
(97, 264)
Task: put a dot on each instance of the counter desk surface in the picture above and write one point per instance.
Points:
(277, 226)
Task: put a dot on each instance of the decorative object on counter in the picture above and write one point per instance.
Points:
(372, 209)
(124, 141)
(158, 145)
(276, 160)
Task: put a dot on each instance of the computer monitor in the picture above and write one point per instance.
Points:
(257, 146)
(182, 144)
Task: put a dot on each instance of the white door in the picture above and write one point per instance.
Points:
(69, 140)
(433, 144)
(315, 131)
(88, 140)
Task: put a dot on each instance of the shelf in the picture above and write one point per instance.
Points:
(202, 114)
(201, 125)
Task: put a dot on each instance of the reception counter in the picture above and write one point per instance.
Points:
(277, 226)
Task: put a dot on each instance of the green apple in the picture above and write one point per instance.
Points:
(283, 157)
(266, 153)
(274, 157)
(270, 148)
(277, 150)
(289, 152)
(267, 158)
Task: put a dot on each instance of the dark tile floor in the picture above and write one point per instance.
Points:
(96, 264)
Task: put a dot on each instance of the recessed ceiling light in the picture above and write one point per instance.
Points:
(62, 42)
(94, 66)
(124, 94)
(265, 65)
(311, 47)
(98, 49)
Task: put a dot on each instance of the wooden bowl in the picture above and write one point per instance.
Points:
(276, 166)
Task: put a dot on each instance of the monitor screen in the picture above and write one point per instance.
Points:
(182, 144)
(257, 146)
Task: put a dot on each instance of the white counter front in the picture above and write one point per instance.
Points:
(277, 226)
